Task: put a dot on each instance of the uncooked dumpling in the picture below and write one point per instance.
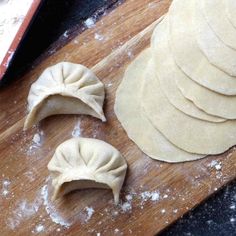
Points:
(81, 163)
(65, 88)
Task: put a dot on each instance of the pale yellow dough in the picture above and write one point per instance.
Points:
(215, 13)
(81, 163)
(206, 100)
(65, 88)
(173, 102)
(187, 54)
(214, 49)
(230, 6)
(168, 72)
(212, 103)
(190, 134)
(133, 119)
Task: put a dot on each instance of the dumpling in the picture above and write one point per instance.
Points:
(81, 163)
(65, 88)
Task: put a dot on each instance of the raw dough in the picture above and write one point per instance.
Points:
(230, 11)
(212, 103)
(215, 14)
(205, 99)
(214, 49)
(188, 55)
(65, 88)
(190, 134)
(80, 163)
(134, 121)
(167, 70)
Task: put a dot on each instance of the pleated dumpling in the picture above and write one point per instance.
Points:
(65, 88)
(81, 163)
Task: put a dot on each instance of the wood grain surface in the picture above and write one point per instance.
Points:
(155, 194)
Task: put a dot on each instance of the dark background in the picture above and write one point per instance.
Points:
(215, 217)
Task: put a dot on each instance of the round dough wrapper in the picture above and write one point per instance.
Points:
(215, 14)
(167, 70)
(65, 88)
(230, 6)
(190, 134)
(80, 163)
(138, 127)
(187, 54)
(214, 49)
(212, 103)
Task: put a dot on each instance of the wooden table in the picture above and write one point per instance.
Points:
(155, 194)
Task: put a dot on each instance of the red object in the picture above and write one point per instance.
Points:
(18, 37)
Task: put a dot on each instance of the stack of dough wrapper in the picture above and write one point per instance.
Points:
(177, 100)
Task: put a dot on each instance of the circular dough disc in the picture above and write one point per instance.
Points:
(230, 6)
(215, 14)
(138, 127)
(190, 134)
(212, 103)
(187, 54)
(167, 70)
(214, 49)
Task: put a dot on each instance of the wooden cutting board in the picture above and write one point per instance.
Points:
(155, 194)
